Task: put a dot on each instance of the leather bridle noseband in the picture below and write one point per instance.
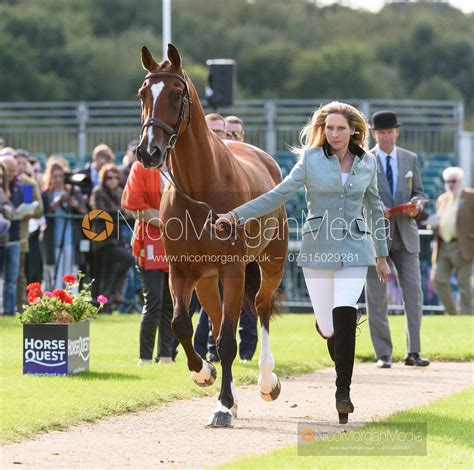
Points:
(172, 132)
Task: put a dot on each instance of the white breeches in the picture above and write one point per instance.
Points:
(330, 288)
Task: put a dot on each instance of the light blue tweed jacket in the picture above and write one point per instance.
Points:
(337, 231)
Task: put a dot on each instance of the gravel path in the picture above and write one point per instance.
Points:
(175, 436)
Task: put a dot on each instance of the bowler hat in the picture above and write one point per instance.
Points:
(384, 120)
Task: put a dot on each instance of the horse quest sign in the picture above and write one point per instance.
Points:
(56, 349)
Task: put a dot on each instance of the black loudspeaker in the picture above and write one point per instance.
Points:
(221, 82)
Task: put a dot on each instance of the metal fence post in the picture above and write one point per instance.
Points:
(365, 109)
(82, 116)
(270, 138)
(459, 116)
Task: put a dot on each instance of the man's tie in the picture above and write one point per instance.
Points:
(389, 174)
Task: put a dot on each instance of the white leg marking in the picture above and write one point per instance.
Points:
(267, 380)
(203, 375)
(235, 394)
(155, 90)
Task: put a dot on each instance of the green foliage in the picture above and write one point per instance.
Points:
(67, 305)
(90, 49)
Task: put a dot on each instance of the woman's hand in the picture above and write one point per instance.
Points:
(229, 218)
(383, 271)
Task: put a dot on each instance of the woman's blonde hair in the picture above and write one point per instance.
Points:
(312, 135)
(54, 162)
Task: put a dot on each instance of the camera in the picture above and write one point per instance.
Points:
(77, 179)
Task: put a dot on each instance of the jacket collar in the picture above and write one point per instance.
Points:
(355, 149)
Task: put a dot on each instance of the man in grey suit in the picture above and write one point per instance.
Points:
(399, 182)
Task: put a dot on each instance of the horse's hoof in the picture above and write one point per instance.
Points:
(234, 409)
(343, 418)
(206, 377)
(274, 394)
(220, 419)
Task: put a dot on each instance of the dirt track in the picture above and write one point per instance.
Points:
(174, 435)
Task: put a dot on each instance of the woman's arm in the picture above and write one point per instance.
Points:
(270, 200)
(373, 206)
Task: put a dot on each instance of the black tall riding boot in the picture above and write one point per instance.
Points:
(345, 319)
(329, 341)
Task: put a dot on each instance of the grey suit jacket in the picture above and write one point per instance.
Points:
(336, 232)
(407, 187)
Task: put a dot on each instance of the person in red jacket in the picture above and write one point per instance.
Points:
(142, 196)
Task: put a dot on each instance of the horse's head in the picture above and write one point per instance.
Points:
(165, 101)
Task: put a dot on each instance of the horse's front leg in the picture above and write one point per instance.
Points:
(233, 282)
(181, 285)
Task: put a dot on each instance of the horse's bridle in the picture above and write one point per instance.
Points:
(173, 137)
(172, 132)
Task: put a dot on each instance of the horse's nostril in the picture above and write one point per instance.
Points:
(155, 152)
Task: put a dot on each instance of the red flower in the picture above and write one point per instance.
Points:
(33, 296)
(34, 291)
(69, 278)
(34, 286)
(62, 295)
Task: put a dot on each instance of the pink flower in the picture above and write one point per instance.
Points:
(102, 299)
(48, 294)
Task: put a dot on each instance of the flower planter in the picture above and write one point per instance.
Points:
(56, 348)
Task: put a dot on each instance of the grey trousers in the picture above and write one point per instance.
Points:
(449, 260)
(409, 279)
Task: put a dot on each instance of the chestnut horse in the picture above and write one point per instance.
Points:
(210, 176)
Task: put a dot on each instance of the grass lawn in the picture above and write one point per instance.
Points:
(115, 384)
(449, 431)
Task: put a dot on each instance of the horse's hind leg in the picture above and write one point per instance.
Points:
(182, 286)
(271, 275)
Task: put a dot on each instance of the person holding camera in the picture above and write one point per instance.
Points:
(60, 238)
(115, 258)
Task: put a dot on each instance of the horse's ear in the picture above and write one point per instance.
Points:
(148, 62)
(173, 56)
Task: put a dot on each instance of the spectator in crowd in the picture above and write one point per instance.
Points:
(142, 196)
(101, 155)
(31, 195)
(12, 249)
(204, 340)
(334, 167)
(2, 142)
(115, 258)
(454, 241)
(34, 260)
(61, 237)
(234, 128)
(133, 285)
(7, 211)
(215, 122)
(129, 159)
(399, 182)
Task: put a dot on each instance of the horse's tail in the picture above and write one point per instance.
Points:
(252, 284)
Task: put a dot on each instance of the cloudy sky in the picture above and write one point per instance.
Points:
(466, 6)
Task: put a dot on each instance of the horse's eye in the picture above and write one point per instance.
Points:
(175, 97)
